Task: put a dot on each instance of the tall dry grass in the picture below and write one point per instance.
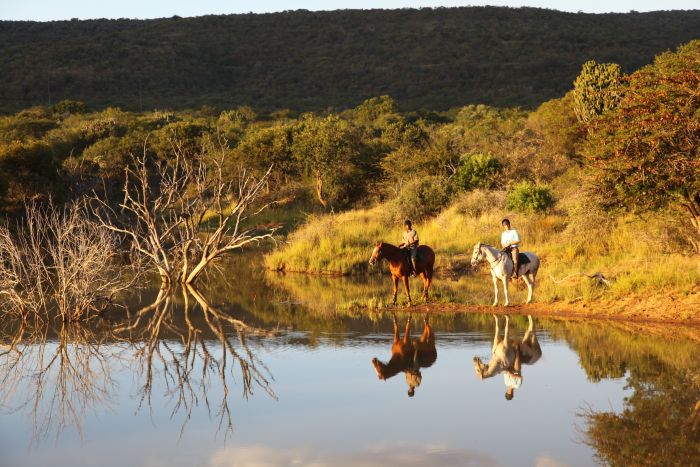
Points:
(636, 254)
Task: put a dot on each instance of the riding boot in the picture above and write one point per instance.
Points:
(413, 268)
(516, 268)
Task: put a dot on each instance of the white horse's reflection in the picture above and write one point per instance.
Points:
(507, 356)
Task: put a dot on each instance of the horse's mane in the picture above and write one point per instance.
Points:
(390, 246)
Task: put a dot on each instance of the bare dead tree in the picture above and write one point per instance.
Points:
(183, 214)
(58, 259)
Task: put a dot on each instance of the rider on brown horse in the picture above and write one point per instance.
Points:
(410, 243)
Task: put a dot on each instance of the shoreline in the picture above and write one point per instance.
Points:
(684, 311)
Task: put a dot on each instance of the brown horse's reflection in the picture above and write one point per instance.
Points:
(508, 355)
(408, 355)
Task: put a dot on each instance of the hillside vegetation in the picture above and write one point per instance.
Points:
(604, 178)
(431, 59)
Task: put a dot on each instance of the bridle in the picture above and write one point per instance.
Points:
(480, 255)
(374, 259)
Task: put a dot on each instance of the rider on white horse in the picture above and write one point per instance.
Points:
(510, 242)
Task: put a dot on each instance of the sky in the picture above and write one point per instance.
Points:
(48, 10)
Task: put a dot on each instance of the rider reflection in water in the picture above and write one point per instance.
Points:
(408, 355)
(508, 354)
(512, 377)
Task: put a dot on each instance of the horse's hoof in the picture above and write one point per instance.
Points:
(494, 304)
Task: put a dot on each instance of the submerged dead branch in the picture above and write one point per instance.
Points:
(58, 259)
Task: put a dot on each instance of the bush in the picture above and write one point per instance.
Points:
(69, 107)
(529, 197)
(420, 198)
(477, 170)
(478, 202)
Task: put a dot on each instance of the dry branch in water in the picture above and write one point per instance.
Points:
(57, 258)
(168, 208)
(598, 277)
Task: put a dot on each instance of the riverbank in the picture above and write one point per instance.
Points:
(648, 276)
(656, 309)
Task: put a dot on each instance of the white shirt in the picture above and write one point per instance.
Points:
(510, 236)
(512, 380)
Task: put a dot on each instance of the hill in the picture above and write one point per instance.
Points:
(429, 58)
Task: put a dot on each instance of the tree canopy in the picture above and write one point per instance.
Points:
(646, 151)
(426, 59)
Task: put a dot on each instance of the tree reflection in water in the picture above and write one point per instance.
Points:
(60, 374)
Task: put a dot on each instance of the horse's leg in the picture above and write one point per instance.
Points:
(396, 329)
(495, 334)
(495, 289)
(505, 290)
(407, 289)
(427, 280)
(407, 332)
(527, 278)
(395, 280)
(530, 326)
(424, 297)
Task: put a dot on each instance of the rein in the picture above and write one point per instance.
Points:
(495, 263)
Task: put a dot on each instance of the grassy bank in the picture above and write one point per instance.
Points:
(636, 255)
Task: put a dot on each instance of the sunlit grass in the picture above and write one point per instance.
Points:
(627, 252)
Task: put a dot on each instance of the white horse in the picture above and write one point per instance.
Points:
(501, 265)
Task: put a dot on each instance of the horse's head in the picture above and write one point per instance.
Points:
(476, 254)
(479, 367)
(376, 253)
(378, 368)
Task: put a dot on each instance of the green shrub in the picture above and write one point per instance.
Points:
(529, 197)
(477, 170)
(69, 107)
(420, 198)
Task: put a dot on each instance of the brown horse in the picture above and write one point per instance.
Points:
(400, 269)
(408, 355)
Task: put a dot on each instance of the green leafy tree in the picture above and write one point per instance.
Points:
(422, 197)
(477, 170)
(646, 153)
(596, 89)
(70, 107)
(263, 147)
(327, 150)
(529, 197)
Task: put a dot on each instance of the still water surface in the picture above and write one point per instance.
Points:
(267, 371)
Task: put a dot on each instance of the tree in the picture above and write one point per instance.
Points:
(646, 152)
(182, 215)
(596, 89)
(477, 170)
(263, 147)
(327, 149)
(529, 197)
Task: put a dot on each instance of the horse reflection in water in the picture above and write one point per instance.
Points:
(507, 356)
(409, 355)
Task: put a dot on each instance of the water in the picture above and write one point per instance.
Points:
(183, 384)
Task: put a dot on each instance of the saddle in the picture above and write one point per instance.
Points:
(408, 258)
(522, 257)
